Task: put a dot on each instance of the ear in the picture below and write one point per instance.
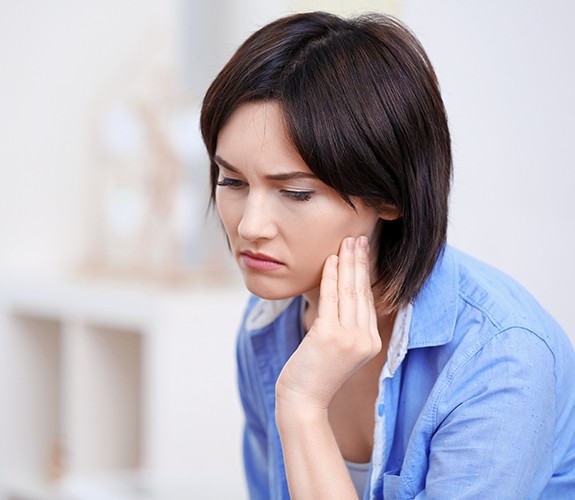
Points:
(388, 211)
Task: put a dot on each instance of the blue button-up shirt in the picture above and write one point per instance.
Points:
(476, 400)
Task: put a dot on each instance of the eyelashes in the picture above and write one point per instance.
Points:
(290, 194)
(298, 195)
(227, 181)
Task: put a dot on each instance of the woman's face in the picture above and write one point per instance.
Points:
(282, 221)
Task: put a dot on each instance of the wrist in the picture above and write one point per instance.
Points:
(296, 412)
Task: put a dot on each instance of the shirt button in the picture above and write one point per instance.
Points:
(380, 409)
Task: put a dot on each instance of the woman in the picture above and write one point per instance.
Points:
(373, 359)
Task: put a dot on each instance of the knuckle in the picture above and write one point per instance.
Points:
(361, 259)
(347, 258)
(369, 347)
(350, 291)
(364, 291)
(357, 347)
(365, 349)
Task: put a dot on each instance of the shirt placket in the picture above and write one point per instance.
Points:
(395, 355)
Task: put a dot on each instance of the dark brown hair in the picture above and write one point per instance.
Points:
(362, 107)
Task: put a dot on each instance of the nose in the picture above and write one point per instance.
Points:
(257, 220)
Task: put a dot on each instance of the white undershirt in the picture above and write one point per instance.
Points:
(358, 473)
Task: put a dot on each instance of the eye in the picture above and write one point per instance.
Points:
(229, 182)
(298, 195)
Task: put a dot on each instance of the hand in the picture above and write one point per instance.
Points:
(342, 338)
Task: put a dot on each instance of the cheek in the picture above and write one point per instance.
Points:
(320, 239)
(323, 236)
(228, 213)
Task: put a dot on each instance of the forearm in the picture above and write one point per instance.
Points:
(342, 339)
(314, 466)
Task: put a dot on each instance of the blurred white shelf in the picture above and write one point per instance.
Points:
(120, 304)
(119, 486)
(101, 378)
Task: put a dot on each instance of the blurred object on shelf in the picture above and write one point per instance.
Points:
(56, 469)
(148, 217)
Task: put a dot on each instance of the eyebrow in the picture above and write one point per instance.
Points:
(287, 176)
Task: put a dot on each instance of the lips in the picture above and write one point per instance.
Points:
(259, 261)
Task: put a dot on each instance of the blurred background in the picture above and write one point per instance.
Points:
(118, 301)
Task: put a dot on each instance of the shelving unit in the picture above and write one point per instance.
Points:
(118, 392)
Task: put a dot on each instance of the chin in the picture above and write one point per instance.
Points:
(269, 293)
(278, 288)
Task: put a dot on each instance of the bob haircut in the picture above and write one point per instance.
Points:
(362, 106)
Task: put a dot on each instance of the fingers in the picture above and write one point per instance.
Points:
(345, 290)
(328, 295)
(354, 287)
(362, 283)
(346, 283)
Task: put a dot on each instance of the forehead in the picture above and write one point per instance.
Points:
(256, 135)
(258, 116)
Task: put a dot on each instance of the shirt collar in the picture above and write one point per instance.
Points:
(435, 306)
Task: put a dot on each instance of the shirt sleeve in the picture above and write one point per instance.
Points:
(255, 443)
(495, 423)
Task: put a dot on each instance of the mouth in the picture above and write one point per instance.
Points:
(259, 261)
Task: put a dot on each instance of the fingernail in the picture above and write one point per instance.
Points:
(350, 243)
(362, 242)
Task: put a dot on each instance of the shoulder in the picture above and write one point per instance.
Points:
(475, 314)
(498, 320)
(500, 300)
